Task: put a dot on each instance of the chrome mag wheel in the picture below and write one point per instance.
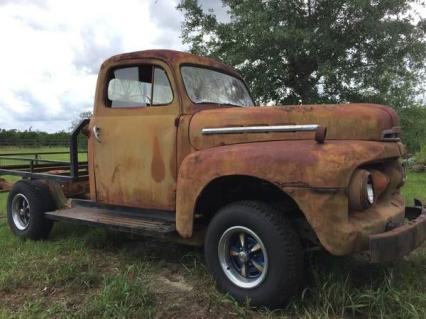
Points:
(21, 211)
(243, 257)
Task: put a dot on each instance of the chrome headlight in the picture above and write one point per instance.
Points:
(370, 191)
(361, 190)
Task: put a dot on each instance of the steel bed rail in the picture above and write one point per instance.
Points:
(38, 168)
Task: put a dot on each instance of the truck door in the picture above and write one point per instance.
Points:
(133, 136)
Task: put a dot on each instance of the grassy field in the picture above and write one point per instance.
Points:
(56, 157)
(90, 273)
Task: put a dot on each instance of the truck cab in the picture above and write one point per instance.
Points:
(178, 149)
(139, 130)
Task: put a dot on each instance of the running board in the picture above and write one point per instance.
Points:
(138, 221)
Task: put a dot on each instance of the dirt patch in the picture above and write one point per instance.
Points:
(178, 284)
(14, 299)
(182, 292)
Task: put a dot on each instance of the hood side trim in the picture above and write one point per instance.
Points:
(259, 129)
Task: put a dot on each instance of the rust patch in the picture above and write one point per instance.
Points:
(301, 169)
(375, 119)
(380, 182)
(5, 186)
(115, 172)
(172, 165)
(315, 175)
(157, 164)
(400, 241)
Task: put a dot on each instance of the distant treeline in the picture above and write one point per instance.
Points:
(29, 138)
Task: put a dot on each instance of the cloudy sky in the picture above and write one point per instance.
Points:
(51, 51)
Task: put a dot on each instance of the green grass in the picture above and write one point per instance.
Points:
(82, 272)
(420, 156)
(57, 157)
(15, 149)
(415, 187)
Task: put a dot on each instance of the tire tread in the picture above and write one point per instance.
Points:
(289, 242)
(40, 201)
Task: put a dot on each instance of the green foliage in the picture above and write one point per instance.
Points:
(421, 155)
(413, 122)
(32, 138)
(36, 139)
(317, 51)
(328, 51)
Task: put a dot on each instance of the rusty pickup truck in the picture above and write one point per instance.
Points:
(178, 149)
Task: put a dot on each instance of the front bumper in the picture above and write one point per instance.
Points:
(400, 241)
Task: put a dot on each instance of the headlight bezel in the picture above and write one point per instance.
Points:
(361, 191)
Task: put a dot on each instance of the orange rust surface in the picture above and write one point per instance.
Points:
(342, 123)
(134, 164)
(5, 186)
(314, 175)
(73, 189)
(157, 157)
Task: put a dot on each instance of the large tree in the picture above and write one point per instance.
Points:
(316, 50)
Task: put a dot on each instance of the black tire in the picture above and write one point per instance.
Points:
(35, 226)
(284, 264)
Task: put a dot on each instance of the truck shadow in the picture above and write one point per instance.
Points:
(131, 245)
(347, 285)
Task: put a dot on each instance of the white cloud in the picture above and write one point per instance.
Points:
(51, 52)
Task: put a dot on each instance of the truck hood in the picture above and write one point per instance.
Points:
(369, 122)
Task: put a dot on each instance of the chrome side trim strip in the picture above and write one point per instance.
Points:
(259, 129)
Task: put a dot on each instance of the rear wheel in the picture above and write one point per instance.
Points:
(254, 254)
(26, 205)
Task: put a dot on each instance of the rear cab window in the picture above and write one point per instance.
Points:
(138, 86)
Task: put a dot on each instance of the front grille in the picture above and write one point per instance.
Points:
(392, 135)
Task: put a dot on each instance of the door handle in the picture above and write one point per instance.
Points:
(96, 133)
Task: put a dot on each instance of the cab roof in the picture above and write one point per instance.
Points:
(173, 58)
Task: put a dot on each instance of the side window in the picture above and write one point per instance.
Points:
(138, 86)
(162, 91)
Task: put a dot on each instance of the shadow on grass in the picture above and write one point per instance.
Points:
(131, 246)
(338, 287)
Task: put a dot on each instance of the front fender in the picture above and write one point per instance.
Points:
(315, 175)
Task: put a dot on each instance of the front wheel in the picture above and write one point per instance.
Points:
(254, 254)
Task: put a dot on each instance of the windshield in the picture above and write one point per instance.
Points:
(208, 86)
